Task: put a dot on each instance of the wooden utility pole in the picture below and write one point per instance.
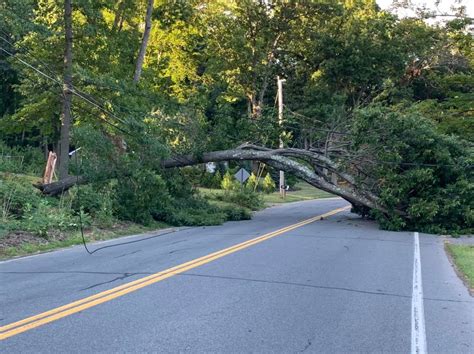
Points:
(280, 122)
(66, 94)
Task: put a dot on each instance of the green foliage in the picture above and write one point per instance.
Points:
(194, 212)
(28, 160)
(244, 197)
(95, 200)
(420, 171)
(236, 213)
(140, 196)
(23, 208)
(208, 83)
(268, 184)
(45, 218)
(229, 183)
(16, 195)
(216, 179)
(252, 182)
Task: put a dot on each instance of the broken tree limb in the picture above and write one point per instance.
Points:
(305, 164)
(56, 188)
(290, 160)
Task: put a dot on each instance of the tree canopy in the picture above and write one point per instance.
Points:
(386, 100)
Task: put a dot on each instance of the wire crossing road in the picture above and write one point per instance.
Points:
(286, 281)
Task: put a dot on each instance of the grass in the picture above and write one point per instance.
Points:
(75, 238)
(303, 191)
(463, 257)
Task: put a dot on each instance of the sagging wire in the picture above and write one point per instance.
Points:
(81, 223)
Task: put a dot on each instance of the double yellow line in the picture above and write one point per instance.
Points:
(26, 324)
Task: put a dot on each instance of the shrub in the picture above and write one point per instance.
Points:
(140, 196)
(243, 197)
(191, 211)
(420, 171)
(268, 184)
(252, 182)
(229, 183)
(45, 217)
(28, 160)
(217, 180)
(236, 213)
(16, 194)
(97, 201)
(195, 216)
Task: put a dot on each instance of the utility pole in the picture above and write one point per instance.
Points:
(280, 122)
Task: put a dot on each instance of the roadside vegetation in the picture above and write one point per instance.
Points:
(463, 257)
(376, 108)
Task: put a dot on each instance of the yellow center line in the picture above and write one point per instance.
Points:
(26, 324)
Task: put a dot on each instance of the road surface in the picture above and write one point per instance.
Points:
(334, 285)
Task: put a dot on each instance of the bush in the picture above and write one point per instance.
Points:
(244, 197)
(216, 180)
(195, 216)
(236, 213)
(229, 183)
(268, 184)
(191, 211)
(252, 182)
(97, 201)
(28, 160)
(141, 196)
(16, 194)
(45, 218)
(422, 172)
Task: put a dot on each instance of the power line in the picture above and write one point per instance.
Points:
(72, 89)
(74, 92)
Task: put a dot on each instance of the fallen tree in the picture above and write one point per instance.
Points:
(59, 187)
(396, 168)
(307, 165)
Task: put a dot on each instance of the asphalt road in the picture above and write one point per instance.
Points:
(335, 285)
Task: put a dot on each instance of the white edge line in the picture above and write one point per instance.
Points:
(418, 331)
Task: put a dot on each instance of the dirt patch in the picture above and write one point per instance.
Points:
(17, 238)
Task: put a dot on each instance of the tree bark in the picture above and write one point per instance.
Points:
(56, 188)
(286, 160)
(146, 37)
(308, 165)
(66, 95)
(118, 15)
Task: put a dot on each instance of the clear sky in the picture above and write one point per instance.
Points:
(444, 5)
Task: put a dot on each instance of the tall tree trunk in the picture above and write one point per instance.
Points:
(66, 94)
(118, 15)
(146, 37)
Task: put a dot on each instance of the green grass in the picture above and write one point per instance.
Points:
(463, 256)
(75, 238)
(304, 192)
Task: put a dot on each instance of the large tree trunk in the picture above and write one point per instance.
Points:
(308, 165)
(57, 188)
(66, 94)
(146, 37)
(296, 161)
